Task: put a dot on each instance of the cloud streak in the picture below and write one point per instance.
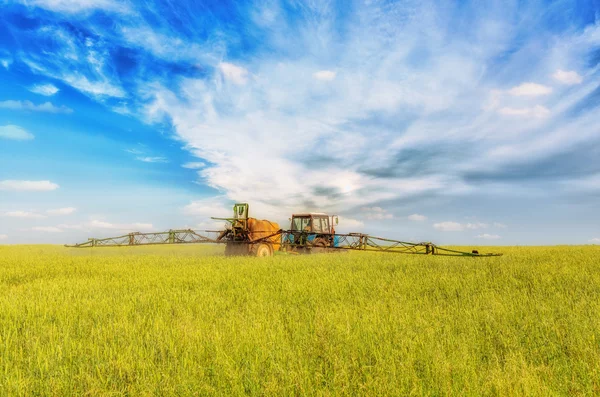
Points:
(27, 186)
(61, 211)
(15, 133)
(44, 89)
(45, 107)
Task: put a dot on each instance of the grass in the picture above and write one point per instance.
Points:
(186, 321)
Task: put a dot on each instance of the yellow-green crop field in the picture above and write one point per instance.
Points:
(186, 321)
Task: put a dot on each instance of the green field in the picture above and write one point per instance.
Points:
(187, 321)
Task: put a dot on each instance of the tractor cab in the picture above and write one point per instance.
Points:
(313, 223)
(313, 231)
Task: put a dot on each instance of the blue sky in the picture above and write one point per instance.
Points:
(457, 122)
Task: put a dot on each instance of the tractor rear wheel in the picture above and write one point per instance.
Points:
(319, 246)
(262, 249)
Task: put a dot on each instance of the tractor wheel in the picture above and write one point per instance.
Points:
(319, 246)
(262, 249)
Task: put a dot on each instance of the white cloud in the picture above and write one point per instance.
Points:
(100, 88)
(457, 227)
(530, 89)
(44, 89)
(210, 207)
(77, 6)
(376, 213)
(567, 77)
(150, 159)
(46, 107)
(46, 229)
(236, 74)
(486, 236)
(194, 165)
(537, 111)
(134, 151)
(100, 224)
(500, 225)
(6, 62)
(71, 227)
(449, 226)
(3, 236)
(324, 75)
(595, 240)
(61, 211)
(23, 214)
(16, 133)
(348, 225)
(477, 225)
(33, 186)
(417, 218)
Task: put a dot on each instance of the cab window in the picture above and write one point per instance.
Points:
(317, 225)
(325, 225)
(297, 224)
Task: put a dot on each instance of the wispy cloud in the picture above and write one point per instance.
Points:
(152, 159)
(15, 133)
(537, 111)
(6, 62)
(595, 240)
(234, 73)
(32, 186)
(376, 213)
(71, 227)
(134, 151)
(100, 89)
(196, 165)
(449, 226)
(44, 89)
(476, 225)
(78, 6)
(23, 214)
(61, 211)
(209, 207)
(348, 225)
(487, 236)
(417, 218)
(325, 75)
(46, 107)
(530, 89)
(3, 236)
(46, 229)
(567, 77)
(100, 224)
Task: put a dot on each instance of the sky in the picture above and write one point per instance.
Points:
(471, 123)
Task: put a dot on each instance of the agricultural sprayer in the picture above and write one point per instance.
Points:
(308, 233)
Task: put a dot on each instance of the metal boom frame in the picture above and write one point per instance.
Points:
(186, 236)
(351, 241)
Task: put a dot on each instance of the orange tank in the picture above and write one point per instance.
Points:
(262, 228)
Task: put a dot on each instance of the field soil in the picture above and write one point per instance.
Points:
(175, 321)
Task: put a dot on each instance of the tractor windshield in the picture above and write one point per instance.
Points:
(314, 224)
(301, 223)
(321, 224)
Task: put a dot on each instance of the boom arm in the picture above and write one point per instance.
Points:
(352, 241)
(187, 236)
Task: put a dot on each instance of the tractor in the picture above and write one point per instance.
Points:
(311, 232)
